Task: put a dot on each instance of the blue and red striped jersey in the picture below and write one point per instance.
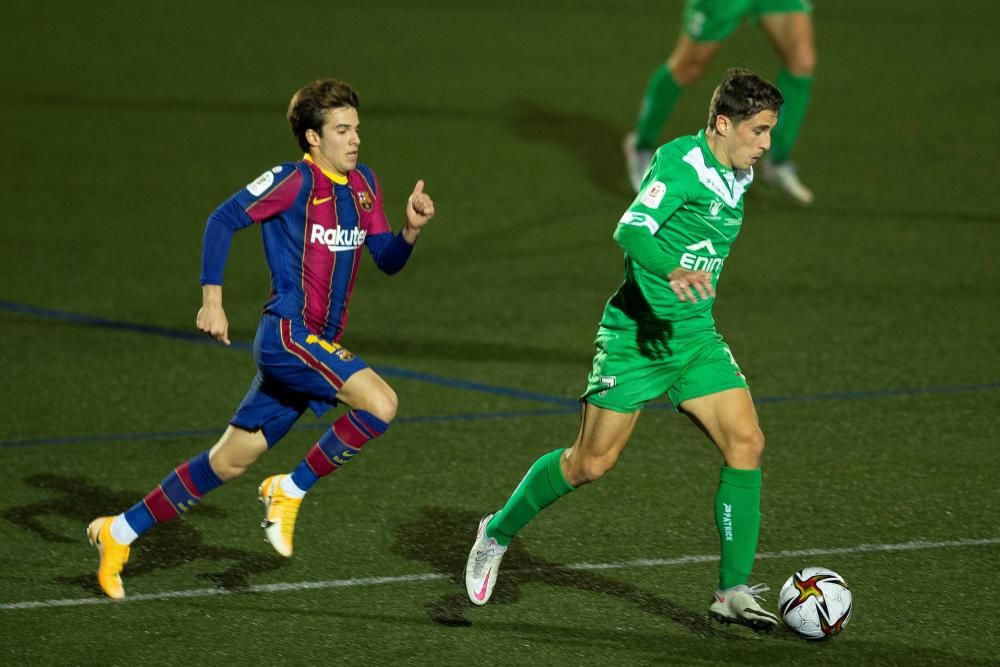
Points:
(313, 229)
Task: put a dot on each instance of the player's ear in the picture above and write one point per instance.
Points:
(722, 125)
(312, 137)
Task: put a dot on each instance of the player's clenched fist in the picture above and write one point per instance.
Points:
(212, 320)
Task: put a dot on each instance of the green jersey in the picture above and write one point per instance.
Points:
(688, 213)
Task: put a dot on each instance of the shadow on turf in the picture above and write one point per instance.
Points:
(594, 143)
(450, 349)
(168, 546)
(442, 538)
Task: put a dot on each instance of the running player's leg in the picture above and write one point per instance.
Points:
(714, 394)
(179, 491)
(685, 66)
(328, 374)
(789, 26)
(730, 421)
(602, 437)
(373, 406)
(705, 24)
(625, 375)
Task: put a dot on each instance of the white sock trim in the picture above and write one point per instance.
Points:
(290, 488)
(121, 531)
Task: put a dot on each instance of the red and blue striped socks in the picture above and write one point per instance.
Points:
(179, 491)
(337, 446)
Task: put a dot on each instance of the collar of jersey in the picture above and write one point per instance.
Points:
(707, 150)
(336, 178)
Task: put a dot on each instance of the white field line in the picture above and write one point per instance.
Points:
(917, 545)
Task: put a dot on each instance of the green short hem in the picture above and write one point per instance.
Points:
(630, 369)
(707, 392)
(596, 401)
(707, 21)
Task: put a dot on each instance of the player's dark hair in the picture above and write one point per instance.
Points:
(310, 103)
(742, 95)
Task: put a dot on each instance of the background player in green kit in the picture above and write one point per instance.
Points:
(705, 24)
(657, 336)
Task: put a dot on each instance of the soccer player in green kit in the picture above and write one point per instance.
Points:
(657, 335)
(705, 25)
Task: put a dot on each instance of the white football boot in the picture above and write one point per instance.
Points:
(739, 605)
(483, 564)
(784, 177)
(636, 160)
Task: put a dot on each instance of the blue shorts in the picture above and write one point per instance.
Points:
(296, 370)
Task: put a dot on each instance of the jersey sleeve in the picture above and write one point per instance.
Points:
(373, 218)
(265, 197)
(390, 252)
(661, 195)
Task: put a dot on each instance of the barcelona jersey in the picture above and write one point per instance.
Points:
(313, 227)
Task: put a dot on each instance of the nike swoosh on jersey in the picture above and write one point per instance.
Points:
(317, 201)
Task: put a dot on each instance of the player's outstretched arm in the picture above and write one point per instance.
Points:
(211, 316)
(682, 280)
(419, 210)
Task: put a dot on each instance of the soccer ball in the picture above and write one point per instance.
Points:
(815, 603)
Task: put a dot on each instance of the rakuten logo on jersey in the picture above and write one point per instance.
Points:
(337, 239)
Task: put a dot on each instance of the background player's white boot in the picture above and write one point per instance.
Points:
(636, 160)
(784, 177)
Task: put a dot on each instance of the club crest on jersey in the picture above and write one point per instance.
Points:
(337, 239)
(715, 207)
(344, 354)
(364, 201)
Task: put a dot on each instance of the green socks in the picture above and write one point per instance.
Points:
(737, 515)
(796, 90)
(542, 486)
(662, 92)
(737, 512)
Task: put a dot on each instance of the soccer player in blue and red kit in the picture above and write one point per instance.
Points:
(314, 214)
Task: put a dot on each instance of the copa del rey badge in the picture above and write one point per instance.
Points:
(654, 194)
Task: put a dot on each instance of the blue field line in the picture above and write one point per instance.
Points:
(387, 371)
(881, 393)
(506, 414)
(314, 426)
(566, 405)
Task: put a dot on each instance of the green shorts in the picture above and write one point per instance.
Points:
(631, 369)
(714, 20)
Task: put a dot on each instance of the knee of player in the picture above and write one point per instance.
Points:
(383, 404)
(750, 444)
(228, 469)
(585, 469)
(802, 60)
(686, 71)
